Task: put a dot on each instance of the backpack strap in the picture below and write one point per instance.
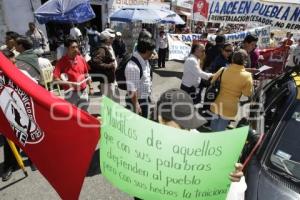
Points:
(220, 77)
(137, 62)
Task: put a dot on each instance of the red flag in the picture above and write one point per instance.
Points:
(275, 58)
(59, 138)
(201, 7)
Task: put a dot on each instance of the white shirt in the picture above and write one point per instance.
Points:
(237, 190)
(192, 73)
(294, 55)
(136, 84)
(44, 63)
(163, 42)
(75, 33)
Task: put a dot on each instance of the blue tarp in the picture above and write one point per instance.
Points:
(65, 11)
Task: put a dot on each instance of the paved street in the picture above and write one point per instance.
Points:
(35, 186)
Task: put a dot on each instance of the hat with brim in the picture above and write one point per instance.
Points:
(106, 35)
(176, 105)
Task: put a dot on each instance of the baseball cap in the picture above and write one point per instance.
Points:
(106, 35)
(178, 106)
(118, 34)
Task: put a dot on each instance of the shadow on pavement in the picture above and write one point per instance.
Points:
(165, 73)
(95, 165)
(12, 183)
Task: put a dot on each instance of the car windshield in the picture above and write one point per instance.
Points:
(286, 154)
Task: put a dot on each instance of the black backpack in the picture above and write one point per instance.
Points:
(120, 71)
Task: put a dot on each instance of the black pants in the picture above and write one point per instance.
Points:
(192, 92)
(162, 57)
(144, 104)
(9, 158)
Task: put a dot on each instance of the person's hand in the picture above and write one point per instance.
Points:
(252, 70)
(138, 109)
(91, 90)
(237, 174)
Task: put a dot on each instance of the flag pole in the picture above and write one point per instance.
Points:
(17, 156)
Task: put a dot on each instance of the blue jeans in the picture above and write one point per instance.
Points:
(219, 124)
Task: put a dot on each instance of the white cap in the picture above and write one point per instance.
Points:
(106, 35)
(118, 34)
(110, 30)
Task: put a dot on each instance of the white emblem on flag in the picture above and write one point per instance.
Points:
(18, 109)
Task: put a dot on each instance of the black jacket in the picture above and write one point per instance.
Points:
(102, 64)
(119, 48)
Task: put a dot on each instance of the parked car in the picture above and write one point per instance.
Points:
(274, 171)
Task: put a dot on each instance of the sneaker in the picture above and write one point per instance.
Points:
(7, 174)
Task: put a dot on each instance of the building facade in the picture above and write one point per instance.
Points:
(16, 14)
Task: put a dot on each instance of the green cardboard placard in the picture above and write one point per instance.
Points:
(153, 161)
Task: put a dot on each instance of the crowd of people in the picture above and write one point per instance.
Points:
(230, 64)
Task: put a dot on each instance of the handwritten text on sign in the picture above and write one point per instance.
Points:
(153, 161)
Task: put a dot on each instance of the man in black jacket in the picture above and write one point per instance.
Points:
(214, 51)
(103, 66)
(119, 46)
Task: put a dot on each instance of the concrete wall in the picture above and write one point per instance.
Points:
(106, 8)
(17, 14)
(3, 27)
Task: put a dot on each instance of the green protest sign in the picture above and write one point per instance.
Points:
(152, 161)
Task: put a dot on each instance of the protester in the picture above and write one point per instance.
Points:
(294, 56)
(11, 42)
(38, 38)
(139, 89)
(104, 66)
(288, 40)
(273, 42)
(146, 34)
(192, 73)
(162, 49)
(254, 56)
(235, 81)
(119, 46)
(27, 60)
(249, 44)
(224, 59)
(75, 33)
(109, 43)
(94, 38)
(10, 163)
(9, 54)
(73, 68)
(172, 29)
(214, 51)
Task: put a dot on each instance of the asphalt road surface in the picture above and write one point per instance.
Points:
(95, 186)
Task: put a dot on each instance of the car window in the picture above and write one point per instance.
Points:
(286, 154)
(268, 104)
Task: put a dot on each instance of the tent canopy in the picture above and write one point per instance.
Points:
(65, 11)
(145, 14)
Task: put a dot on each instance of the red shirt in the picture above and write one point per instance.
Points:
(76, 69)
